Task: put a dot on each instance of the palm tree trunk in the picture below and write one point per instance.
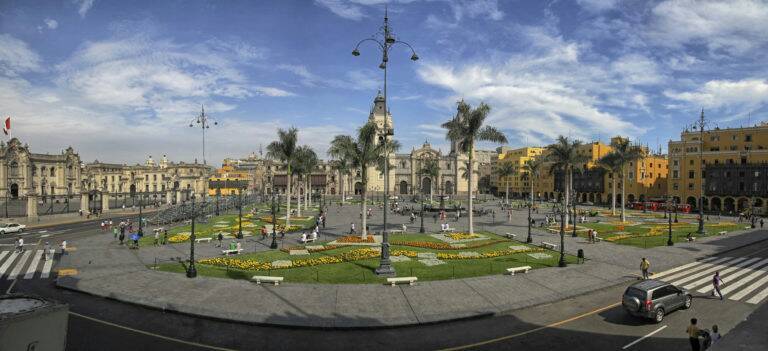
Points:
(623, 183)
(288, 202)
(567, 193)
(342, 180)
(469, 188)
(309, 195)
(506, 194)
(613, 195)
(363, 231)
(298, 196)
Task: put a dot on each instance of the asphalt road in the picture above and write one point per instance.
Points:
(588, 322)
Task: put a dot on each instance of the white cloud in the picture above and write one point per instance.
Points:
(16, 56)
(734, 27)
(637, 69)
(598, 5)
(342, 8)
(475, 9)
(272, 91)
(83, 6)
(51, 23)
(741, 94)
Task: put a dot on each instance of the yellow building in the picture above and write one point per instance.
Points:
(228, 181)
(518, 183)
(733, 163)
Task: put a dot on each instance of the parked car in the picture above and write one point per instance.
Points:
(654, 299)
(6, 228)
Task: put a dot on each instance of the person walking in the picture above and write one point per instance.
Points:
(20, 244)
(716, 282)
(47, 251)
(324, 215)
(352, 228)
(761, 222)
(157, 237)
(644, 266)
(115, 230)
(63, 247)
(220, 239)
(121, 237)
(693, 335)
(165, 236)
(715, 335)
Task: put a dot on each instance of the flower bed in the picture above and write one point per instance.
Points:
(178, 238)
(237, 263)
(251, 264)
(325, 248)
(489, 254)
(443, 246)
(351, 239)
(462, 236)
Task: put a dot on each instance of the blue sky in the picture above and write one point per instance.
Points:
(121, 81)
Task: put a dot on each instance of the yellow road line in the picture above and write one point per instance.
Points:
(151, 334)
(507, 337)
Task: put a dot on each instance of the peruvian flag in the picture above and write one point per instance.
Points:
(7, 126)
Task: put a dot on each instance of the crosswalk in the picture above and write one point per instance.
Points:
(13, 264)
(745, 279)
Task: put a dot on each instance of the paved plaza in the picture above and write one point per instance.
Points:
(109, 270)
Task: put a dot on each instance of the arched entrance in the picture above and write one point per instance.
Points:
(705, 203)
(743, 204)
(691, 201)
(403, 187)
(592, 197)
(758, 202)
(631, 198)
(642, 197)
(358, 188)
(449, 187)
(133, 189)
(618, 200)
(717, 205)
(14, 190)
(730, 204)
(426, 186)
(584, 197)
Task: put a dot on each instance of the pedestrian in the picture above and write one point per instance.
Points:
(324, 215)
(644, 266)
(114, 232)
(165, 236)
(102, 226)
(715, 335)
(716, 282)
(157, 237)
(693, 335)
(121, 237)
(20, 244)
(352, 228)
(47, 251)
(434, 217)
(63, 247)
(761, 222)
(220, 239)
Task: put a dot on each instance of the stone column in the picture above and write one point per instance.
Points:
(178, 197)
(169, 197)
(84, 203)
(104, 202)
(31, 206)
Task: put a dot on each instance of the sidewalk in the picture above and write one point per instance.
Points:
(110, 271)
(72, 218)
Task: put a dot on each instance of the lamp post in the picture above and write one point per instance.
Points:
(421, 229)
(562, 211)
(674, 203)
(273, 245)
(141, 219)
(385, 43)
(529, 239)
(191, 270)
(204, 121)
(669, 239)
(701, 125)
(240, 213)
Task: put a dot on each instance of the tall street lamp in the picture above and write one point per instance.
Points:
(421, 229)
(240, 213)
(273, 245)
(385, 43)
(668, 209)
(701, 125)
(191, 270)
(562, 212)
(204, 122)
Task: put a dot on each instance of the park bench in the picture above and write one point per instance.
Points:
(598, 239)
(267, 279)
(203, 240)
(393, 231)
(409, 280)
(448, 229)
(523, 269)
(547, 245)
(307, 240)
(511, 236)
(748, 227)
(231, 252)
(722, 233)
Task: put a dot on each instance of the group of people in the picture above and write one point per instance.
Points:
(708, 337)
(717, 281)
(591, 236)
(47, 247)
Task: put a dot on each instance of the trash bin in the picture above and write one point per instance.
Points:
(580, 255)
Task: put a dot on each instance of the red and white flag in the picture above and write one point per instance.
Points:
(7, 126)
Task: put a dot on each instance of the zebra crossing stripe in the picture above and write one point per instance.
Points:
(712, 268)
(2, 255)
(19, 265)
(8, 262)
(676, 269)
(47, 266)
(749, 289)
(732, 282)
(705, 280)
(33, 267)
(700, 266)
(759, 297)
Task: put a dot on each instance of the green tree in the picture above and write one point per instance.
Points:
(465, 130)
(505, 170)
(532, 168)
(343, 169)
(626, 153)
(362, 152)
(430, 169)
(306, 162)
(284, 150)
(611, 163)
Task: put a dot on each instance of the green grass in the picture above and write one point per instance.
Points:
(679, 232)
(362, 271)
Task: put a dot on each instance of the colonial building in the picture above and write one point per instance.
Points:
(24, 173)
(519, 183)
(731, 161)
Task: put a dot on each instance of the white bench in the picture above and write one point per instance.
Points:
(201, 240)
(308, 240)
(748, 227)
(523, 269)
(393, 231)
(722, 233)
(231, 252)
(548, 245)
(598, 239)
(448, 229)
(267, 279)
(511, 236)
(409, 280)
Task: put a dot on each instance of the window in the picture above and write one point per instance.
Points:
(741, 186)
(691, 162)
(748, 138)
(755, 186)
(663, 292)
(757, 174)
(733, 137)
(53, 172)
(691, 174)
(675, 186)
(690, 186)
(743, 160)
(675, 163)
(631, 175)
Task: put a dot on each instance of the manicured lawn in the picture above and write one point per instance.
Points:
(639, 234)
(362, 270)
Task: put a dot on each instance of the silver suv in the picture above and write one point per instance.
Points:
(654, 298)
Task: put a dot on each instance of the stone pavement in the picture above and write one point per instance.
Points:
(108, 270)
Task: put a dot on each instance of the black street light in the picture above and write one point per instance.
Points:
(529, 239)
(273, 245)
(701, 125)
(573, 208)
(421, 229)
(240, 213)
(191, 270)
(669, 239)
(563, 213)
(141, 219)
(385, 43)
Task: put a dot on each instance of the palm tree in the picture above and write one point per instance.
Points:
(466, 129)
(362, 152)
(625, 153)
(611, 163)
(532, 168)
(284, 150)
(504, 171)
(430, 169)
(306, 162)
(564, 155)
(342, 167)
